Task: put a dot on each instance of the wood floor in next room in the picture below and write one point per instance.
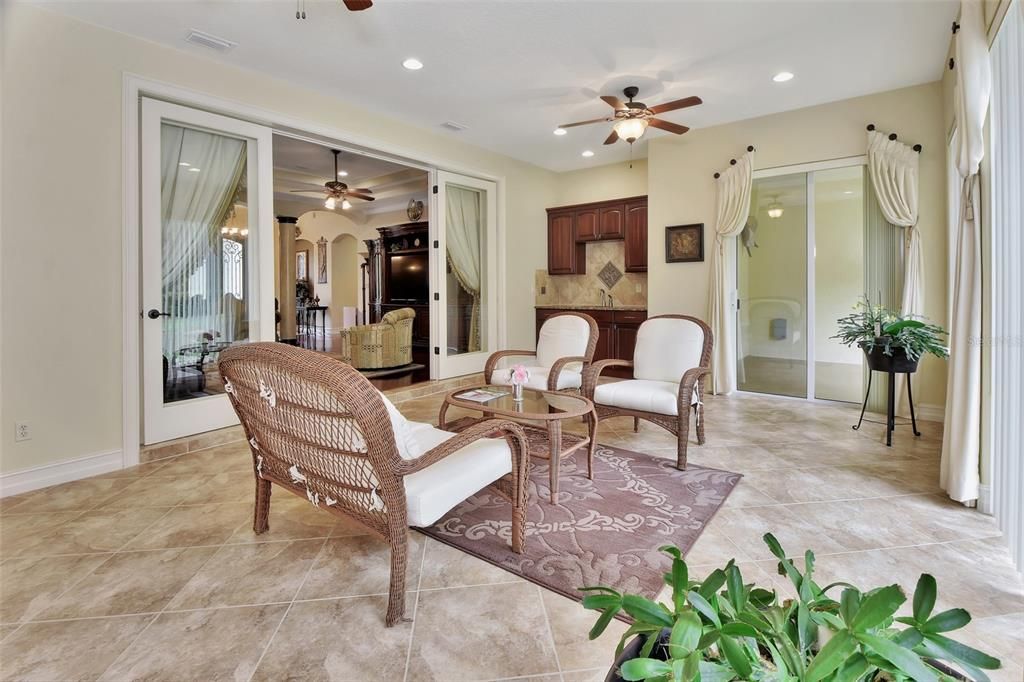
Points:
(155, 573)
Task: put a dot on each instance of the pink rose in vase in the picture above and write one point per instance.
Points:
(519, 375)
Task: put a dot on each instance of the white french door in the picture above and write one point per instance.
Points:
(464, 274)
(207, 260)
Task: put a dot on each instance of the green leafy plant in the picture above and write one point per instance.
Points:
(721, 629)
(872, 326)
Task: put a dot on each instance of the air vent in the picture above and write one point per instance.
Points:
(452, 125)
(206, 40)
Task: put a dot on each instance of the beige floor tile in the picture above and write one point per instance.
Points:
(342, 639)
(207, 524)
(214, 438)
(294, 518)
(9, 503)
(131, 582)
(249, 574)
(76, 496)
(359, 566)
(231, 457)
(103, 530)
(712, 547)
(570, 624)
(450, 643)
(219, 644)
(67, 650)
(231, 486)
(153, 491)
(445, 566)
(29, 586)
(20, 532)
(594, 675)
(746, 528)
(746, 495)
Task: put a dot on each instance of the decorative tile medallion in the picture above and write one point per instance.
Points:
(610, 275)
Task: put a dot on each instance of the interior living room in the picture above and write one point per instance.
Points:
(414, 341)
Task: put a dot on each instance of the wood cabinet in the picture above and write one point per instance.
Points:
(636, 236)
(571, 227)
(616, 329)
(565, 255)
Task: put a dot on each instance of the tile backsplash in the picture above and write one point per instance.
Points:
(630, 289)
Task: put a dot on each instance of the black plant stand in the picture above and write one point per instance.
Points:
(892, 366)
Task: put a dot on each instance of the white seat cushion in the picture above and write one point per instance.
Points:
(666, 348)
(432, 492)
(644, 395)
(538, 380)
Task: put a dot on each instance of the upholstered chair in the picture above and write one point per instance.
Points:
(565, 346)
(319, 429)
(387, 343)
(671, 359)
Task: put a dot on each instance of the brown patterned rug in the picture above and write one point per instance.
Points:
(601, 532)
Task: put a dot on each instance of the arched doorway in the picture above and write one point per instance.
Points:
(344, 259)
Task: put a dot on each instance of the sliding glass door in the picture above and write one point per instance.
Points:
(800, 266)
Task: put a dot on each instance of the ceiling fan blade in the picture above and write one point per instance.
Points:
(309, 192)
(584, 123)
(676, 104)
(612, 139)
(360, 190)
(364, 197)
(357, 5)
(665, 125)
(614, 102)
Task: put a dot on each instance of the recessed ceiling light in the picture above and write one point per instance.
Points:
(412, 64)
(342, 174)
(782, 77)
(587, 153)
(560, 131)
(193, 169)
(182, 163)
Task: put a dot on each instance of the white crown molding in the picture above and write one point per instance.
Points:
(26, 480)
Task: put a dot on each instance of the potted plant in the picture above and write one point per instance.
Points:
(722, 629)
(891, 342)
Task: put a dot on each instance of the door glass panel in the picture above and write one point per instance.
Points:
(838, 279)
(772, 289)
(466, 278)
(205, 258)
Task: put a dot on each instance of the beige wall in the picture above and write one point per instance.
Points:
(681, 188)
(62, 105)
(613, 181)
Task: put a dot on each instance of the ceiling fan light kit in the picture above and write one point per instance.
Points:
(338, 192)
(631, 119)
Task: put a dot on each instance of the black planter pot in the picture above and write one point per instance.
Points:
(898, 362)
(632, 650)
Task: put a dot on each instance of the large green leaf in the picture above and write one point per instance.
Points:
(714, 672)
(734, 588)
(685, 634)
(924, 597)
(600, 602)
(904, 659)
(849, 602)
(853, 669)
(896, 327)
(953, 619)
(602, 623)
(961, 652)
(736, 656)
(832, 655)
(712, 583)
(637, 669)
(704, 608)
(646, 610)
(877, 607)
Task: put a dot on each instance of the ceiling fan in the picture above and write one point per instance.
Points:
(338, 193)
(352, 5)
(632, 118)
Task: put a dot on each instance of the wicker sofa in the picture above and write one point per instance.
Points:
(319, 429)
(387, 343)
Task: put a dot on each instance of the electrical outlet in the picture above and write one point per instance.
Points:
(543, 290)
(638, 288)
(22, 432)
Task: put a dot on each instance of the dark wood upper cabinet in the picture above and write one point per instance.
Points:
(636, 236)
(588, 225)
(612, 222)
(565, 256)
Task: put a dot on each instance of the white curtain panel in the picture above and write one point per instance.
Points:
(731, 212)
(194, 205)
(959, 469)
(464, 225)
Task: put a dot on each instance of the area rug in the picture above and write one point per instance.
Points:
(601, 532)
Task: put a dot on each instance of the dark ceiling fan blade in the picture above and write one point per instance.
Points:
(612, 139)
(614, 102)
(360, 190)
(355, 195)
(665, 125)
(310, 192)
(676, 104)
(584, 123)
(358, 5)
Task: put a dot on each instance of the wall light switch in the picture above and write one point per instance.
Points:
(543, 290)
(638, 288)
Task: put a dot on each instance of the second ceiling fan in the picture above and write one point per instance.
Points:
(337, 192)
(632, 118)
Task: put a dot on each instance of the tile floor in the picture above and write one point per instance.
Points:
(154, 573)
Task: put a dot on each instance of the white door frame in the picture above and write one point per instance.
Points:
(165, 421)
(135, 86)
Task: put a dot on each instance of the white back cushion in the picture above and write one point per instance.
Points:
(562, 336)
(666, 348)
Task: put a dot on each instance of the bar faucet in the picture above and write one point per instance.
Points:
(604, 298)
(611, 301)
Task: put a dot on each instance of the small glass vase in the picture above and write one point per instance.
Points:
(517, 392)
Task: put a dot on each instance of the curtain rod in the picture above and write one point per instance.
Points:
(892, 136)
(732, 162)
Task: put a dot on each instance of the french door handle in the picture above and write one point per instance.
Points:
(154, 314)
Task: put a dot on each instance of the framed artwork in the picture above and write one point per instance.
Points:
(302, 265)
(684, 243)
(321, 261)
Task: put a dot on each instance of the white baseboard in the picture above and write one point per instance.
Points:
(985, 499)
(26, 480)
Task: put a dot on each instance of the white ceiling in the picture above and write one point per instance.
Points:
(302, 165)
(512, 71)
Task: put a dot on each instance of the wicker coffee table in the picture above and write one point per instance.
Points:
(541, 414)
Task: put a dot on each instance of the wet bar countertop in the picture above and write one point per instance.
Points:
(575, 306)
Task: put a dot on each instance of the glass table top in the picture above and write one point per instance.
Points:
(537, 404)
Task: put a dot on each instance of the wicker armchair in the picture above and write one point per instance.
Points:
(319, 429)
(387, 343)
(671, 359)
(565, 340)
